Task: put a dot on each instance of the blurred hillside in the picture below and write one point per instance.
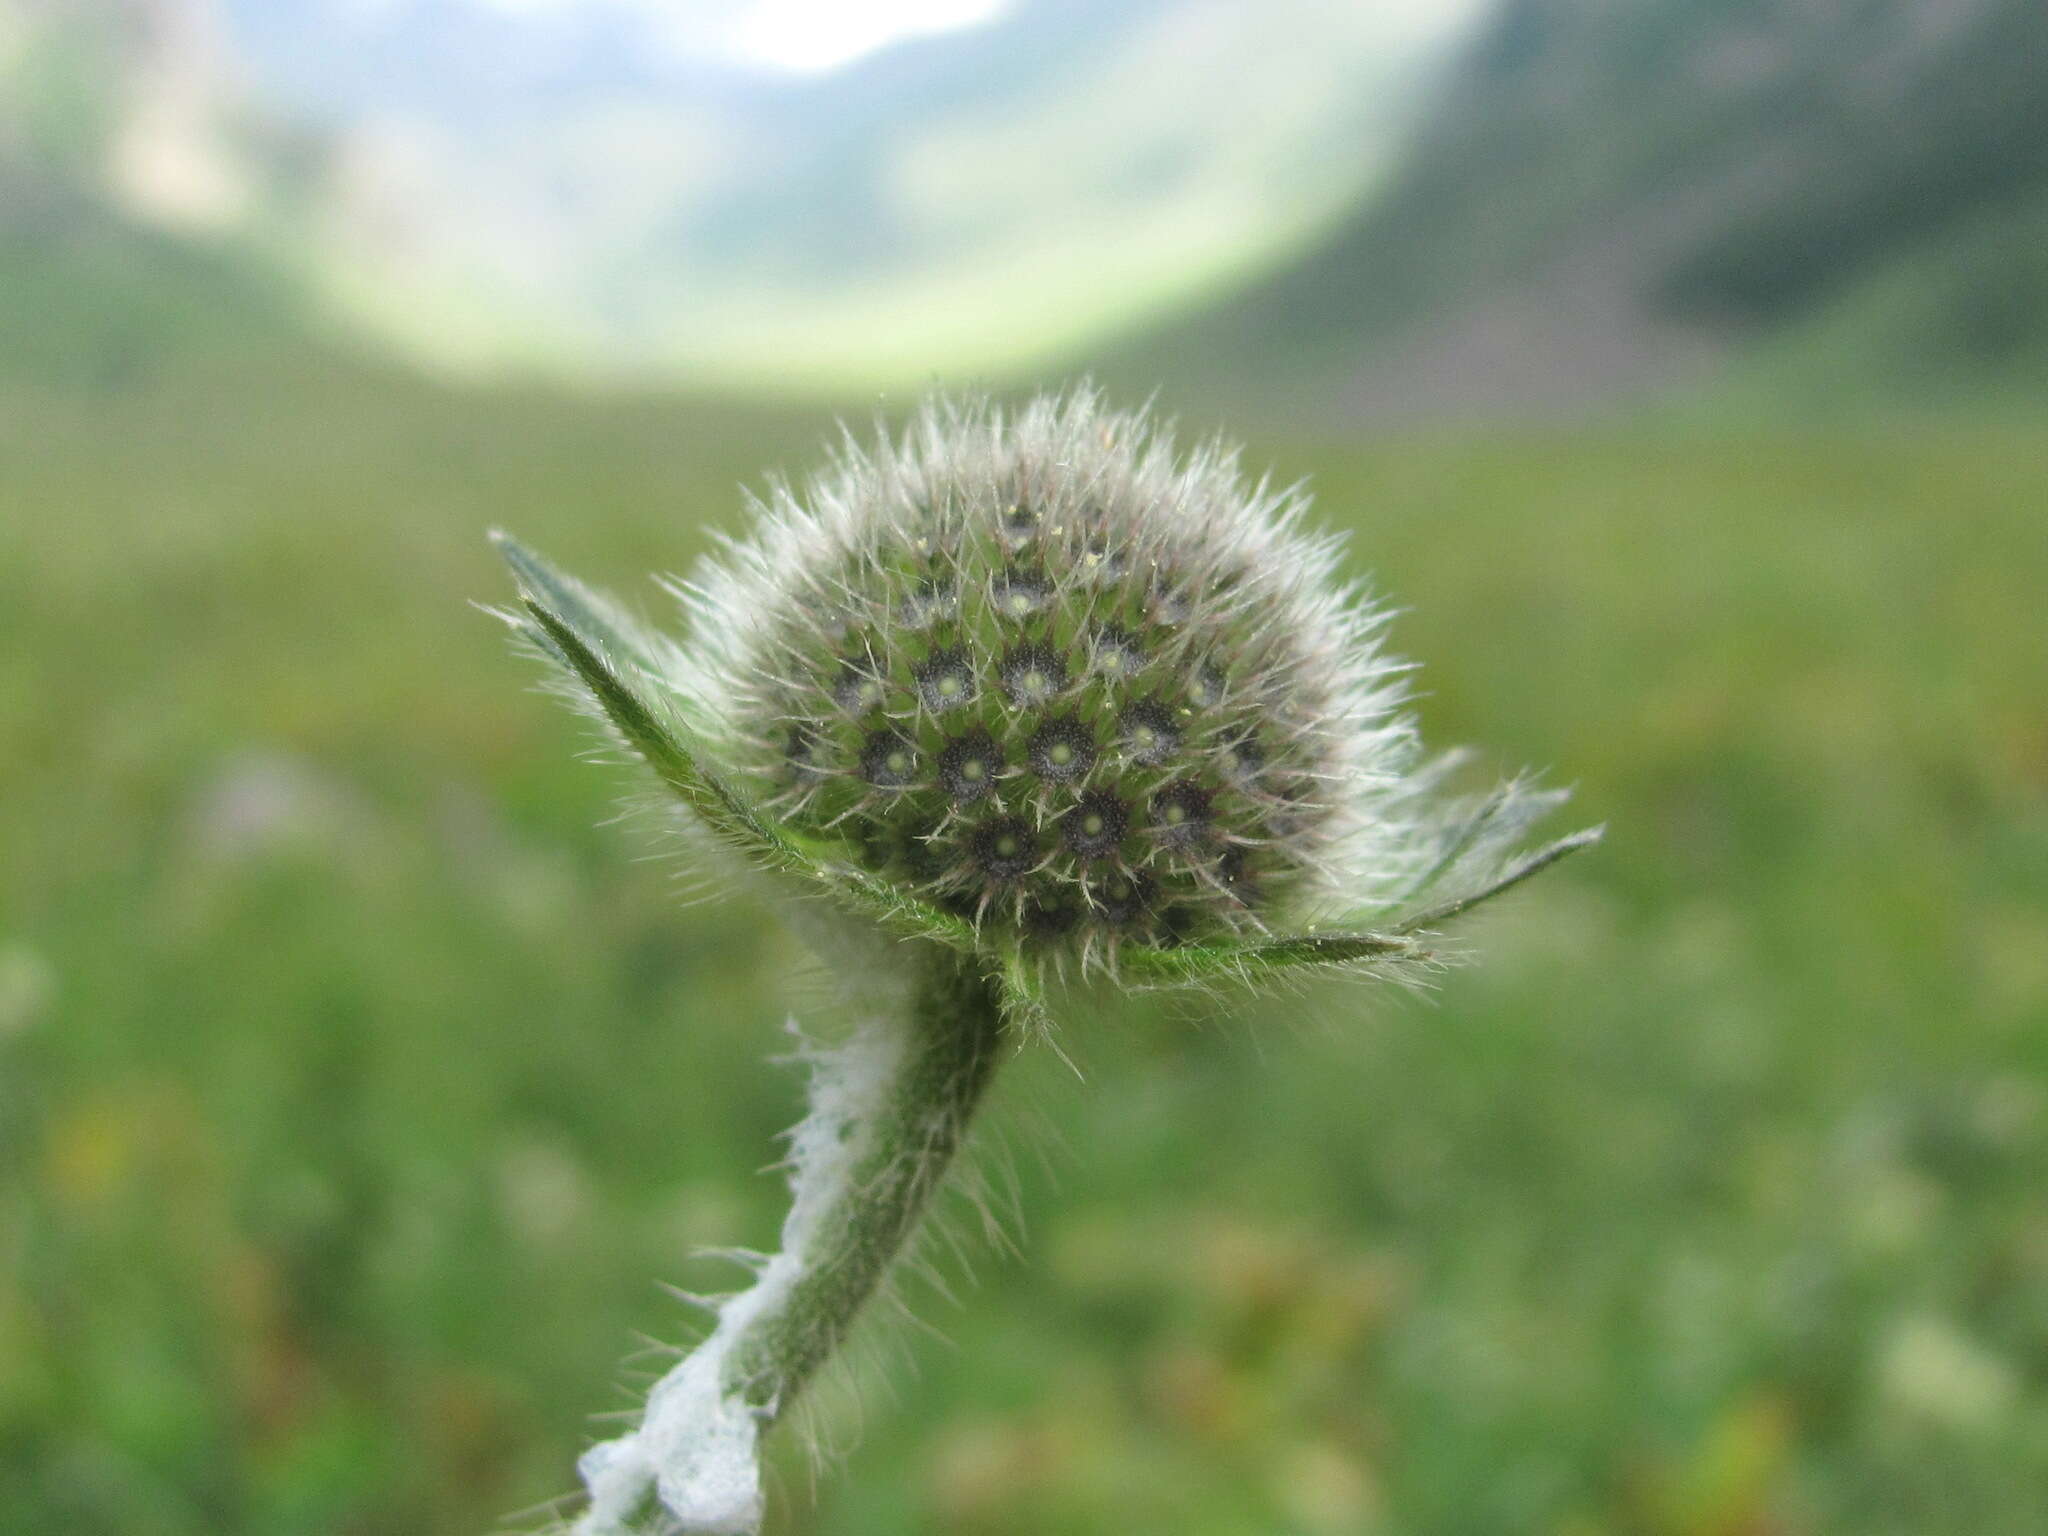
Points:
(129, 169)
(90, 300)
(139, 104)
(1609, 199)
(1807, 204)
(590, 188)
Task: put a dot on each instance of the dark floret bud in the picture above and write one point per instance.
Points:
(1180, 814)
(968, 767)
(1096, 826)
(1242, 757)
(1004, 848)
(1148, 733)
(945, 681)
(1019, 593)
(1032, 674)
(1123, 901)
(1061, 750)
(888, 759)
(858, 691)
(1115, 653)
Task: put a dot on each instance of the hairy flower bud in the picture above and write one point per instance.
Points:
(1055, 678)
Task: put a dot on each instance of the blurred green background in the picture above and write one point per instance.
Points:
(361, 1073)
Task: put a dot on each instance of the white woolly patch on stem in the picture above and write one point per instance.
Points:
(696, 1450)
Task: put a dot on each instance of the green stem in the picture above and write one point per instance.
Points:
(954, 1029)
(889, 1109)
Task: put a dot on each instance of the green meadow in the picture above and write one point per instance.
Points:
(362, 1070)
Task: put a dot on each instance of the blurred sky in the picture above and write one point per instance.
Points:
(792, 192)
(799, 36)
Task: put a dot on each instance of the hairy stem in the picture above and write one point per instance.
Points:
(888, 1109)
(949, 1054)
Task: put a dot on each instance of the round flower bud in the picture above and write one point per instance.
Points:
(1043, 671)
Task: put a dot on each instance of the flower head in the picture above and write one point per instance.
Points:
(1047, 674)
(1053, 689)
